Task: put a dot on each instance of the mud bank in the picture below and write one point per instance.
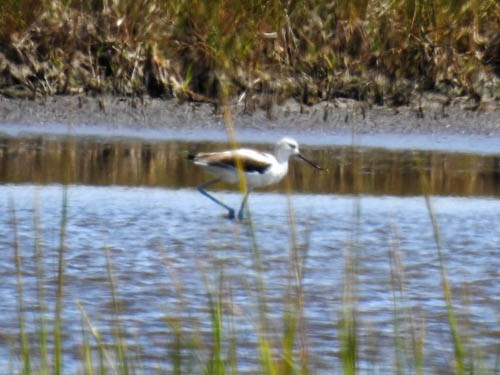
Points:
(433, 126)
(115, 114)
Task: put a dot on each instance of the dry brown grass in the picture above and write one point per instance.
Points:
(385, 52)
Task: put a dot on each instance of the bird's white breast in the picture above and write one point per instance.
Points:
(274, 174)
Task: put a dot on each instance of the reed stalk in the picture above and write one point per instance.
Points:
(59, 302)
(120, 345)
(106, 360)
(216, 362)
(23, 336)
(457, 340)
(404, 318)
(452, 320)
(42, 331)
(267, 362)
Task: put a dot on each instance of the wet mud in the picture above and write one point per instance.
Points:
(121, 115)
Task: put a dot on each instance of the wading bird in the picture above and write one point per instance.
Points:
(258, 168)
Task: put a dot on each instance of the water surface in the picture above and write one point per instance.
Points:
(352, 169)
(168, 246)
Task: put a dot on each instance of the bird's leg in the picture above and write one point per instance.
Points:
(243, 204)
(201, 189)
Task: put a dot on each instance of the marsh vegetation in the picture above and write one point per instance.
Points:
(260, 52)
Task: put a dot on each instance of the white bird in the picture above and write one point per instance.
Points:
(259, 168)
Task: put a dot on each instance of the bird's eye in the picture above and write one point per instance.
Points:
(292, 146)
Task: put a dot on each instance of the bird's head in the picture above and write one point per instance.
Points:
(287, 147)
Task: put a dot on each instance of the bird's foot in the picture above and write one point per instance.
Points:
(230, 214)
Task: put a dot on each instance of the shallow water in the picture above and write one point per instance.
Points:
(351, 169)
(168, 245)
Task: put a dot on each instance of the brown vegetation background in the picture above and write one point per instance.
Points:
(259, 52)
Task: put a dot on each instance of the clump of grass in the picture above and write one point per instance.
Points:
(311, 51)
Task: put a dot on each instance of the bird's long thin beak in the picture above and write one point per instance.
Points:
(311, 163)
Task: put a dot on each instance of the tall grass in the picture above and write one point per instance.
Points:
(457, 340)
(409, 350)
(23, 338)
(378, 50)
(58, 351)
(42, 329)
(216, 363)
(122, 352)
(348, 323)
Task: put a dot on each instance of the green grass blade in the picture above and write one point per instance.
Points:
(41, 296)
(457, 341)
(60, 286)
(120, 345)
(23, 338)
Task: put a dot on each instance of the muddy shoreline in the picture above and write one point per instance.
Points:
(117, 116)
